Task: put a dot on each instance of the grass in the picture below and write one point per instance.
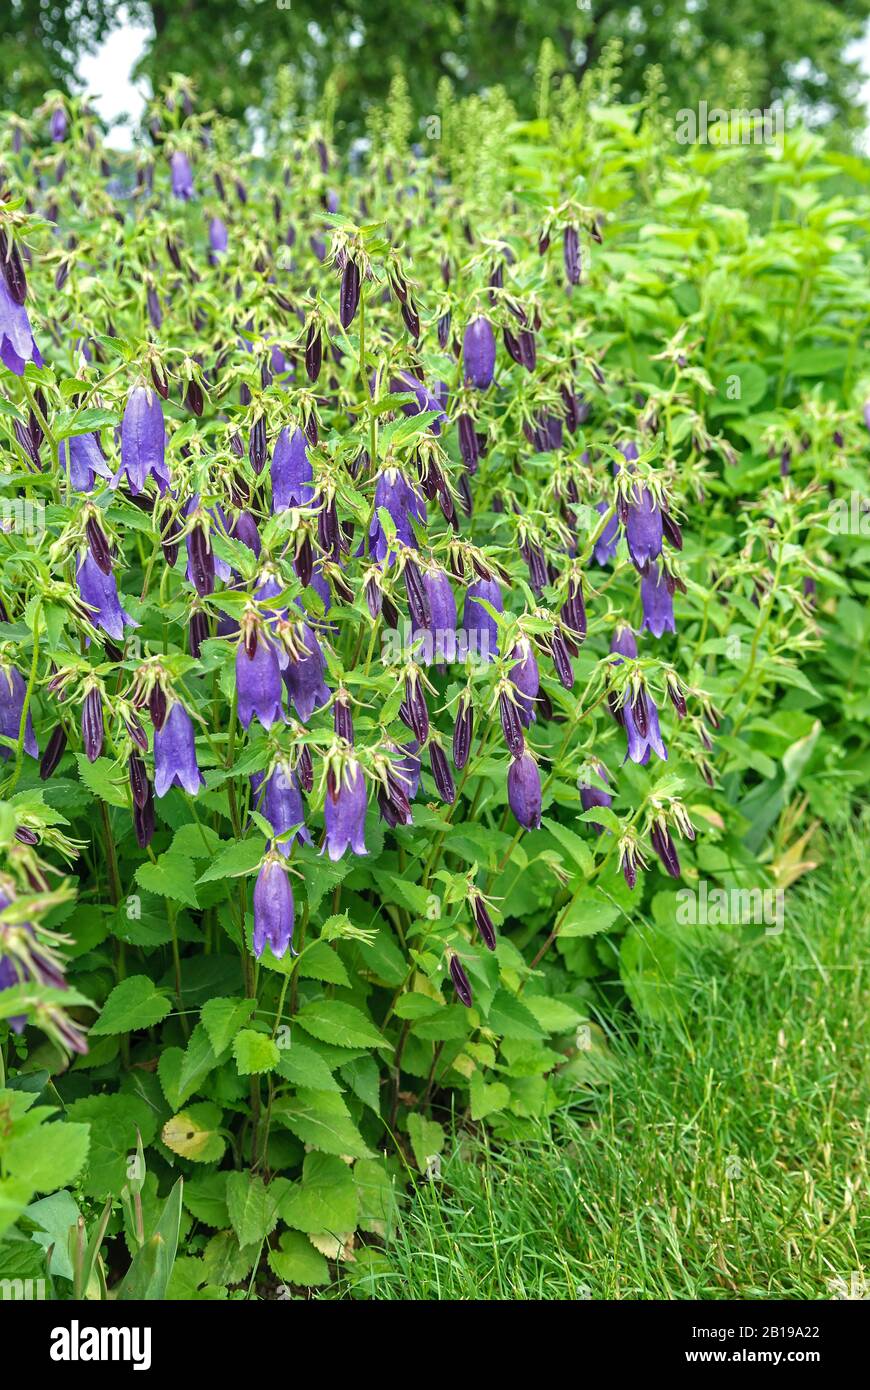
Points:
(735, 1168)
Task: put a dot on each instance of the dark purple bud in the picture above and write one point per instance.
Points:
(524, 791)
(463, 731)
(193, 398)
(460, 982)
(562, 659)
(416, 711)
(511, 725)
(418, 599)
(98, 545)
(678, 699)
(137, 734)
(161, 384)
(139, 785)
(54, 751)
(441, 772)
(305, 769)
(571, 248)
(662, 843)
(483, 922)
(350, 291)
(157, 706)
(313, 352)
(672, 530)
(92, 724)
(468, 445)
(143, 821)
(201, 561)
(411, 319)
(257, 445)
(443, 330)
(343, 718)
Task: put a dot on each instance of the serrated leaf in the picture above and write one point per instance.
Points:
(321, 1119)
(325, 1200)
(340, 1024)
(222, 1019)
(240, 857)
(255, 1052)
(511, 1019)
(573, 845)
(305, 1067)
(206, 1198)
(297, 1262)
(319, 962)
(135, 1003)
(252, 1206)
(487, 1099)
(170, 877)
(104, 779)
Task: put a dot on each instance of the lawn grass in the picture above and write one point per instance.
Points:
(732, 1168)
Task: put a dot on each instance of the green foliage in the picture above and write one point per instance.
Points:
(262, 1112)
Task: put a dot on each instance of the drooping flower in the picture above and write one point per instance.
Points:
(303, 675)
(175, 762)
(643, 714)
(424, 400)
(182, 176)
(81, 460)
(478, 353)
(663, 844)
(92, 724)
(479, 627)
(218, 238)
(658, 602)
(345, 810)
(571, 248)
(592, 794)
(13, 691)
(605, 546)
(17, 343)
(394, 495)
(143, 442)
(463, 731)
(291, 471)
(643, 528)
(524, 791)
(283, 807)
(460, 981)
(524, 675)
(273, 909)
(58, 125)
(258, 682)
(441, 627)
(100, 592)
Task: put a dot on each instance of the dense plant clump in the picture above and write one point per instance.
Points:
(410, 570)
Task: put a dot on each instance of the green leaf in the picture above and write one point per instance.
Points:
(240, 857)
(305, 1067)
(252, 1206)
(377, 1200)
(135, 1003)
(104, 779)
(222, 1019)
(427, 1139)
(206, 1198)
(363, 1076)
(114, 1122)
(589, 914)
(193, 1133)
(325, 1201)
(48, 1156)
(321, 1119)
(487, 1099)
(196, 841)
(297, 1262)
(255, 1052)
(171, 877)
(573, 845)
(320, 962)
(511, 1019)
(340, 1024)
(181, 1073)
